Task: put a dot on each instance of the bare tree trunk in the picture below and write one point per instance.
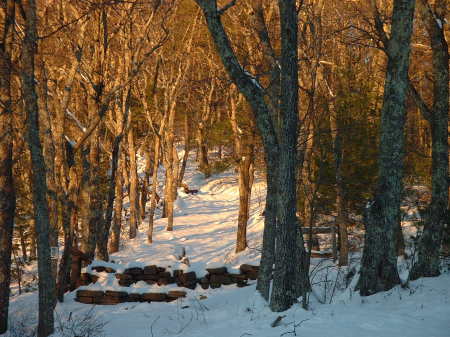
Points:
(49, 153)
(114, 242)
(285, 275)
(7, 191)
(170, 162)
(428, 263)
(134, 187)
(187, 148)
(379, 262)
(340, 204)
(244, 157)
(102, 243)
(87, 240)
(144, 190)
(23, 243)
(68, 211)
(270, 227)
(38, 174)
(151, 211)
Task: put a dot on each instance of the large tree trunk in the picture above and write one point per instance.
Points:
(379, 262)
(428, 263)
(7, 191)
(49, 153)
(285, 276)
(38, 174)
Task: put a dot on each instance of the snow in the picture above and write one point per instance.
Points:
(205, 228)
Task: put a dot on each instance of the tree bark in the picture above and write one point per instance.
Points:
(104, 233)
(428, 263)
(114, 242)
(284, 291)
(379, 262)
(151, 211)
(244, 157)
(7, 190)
(38, 174)
(270, 227)
(134, 187)
(187, 148)
(340, 203)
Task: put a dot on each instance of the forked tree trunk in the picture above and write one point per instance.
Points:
(38, 174)
(287, 250)
(379, 262)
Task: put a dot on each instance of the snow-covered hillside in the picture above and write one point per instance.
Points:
(205, 226)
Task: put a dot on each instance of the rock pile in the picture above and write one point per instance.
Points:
(215, 278)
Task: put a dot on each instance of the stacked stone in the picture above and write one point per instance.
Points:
(110, 297)
(150, 275)
(217, 277)
(101, 297)
(186, 280)
(250, 271)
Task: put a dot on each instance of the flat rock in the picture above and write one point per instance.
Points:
(215, 271)
(154, 297)
(134, 271)
(176, 293)
(118, 294)
(90, 293)
(134, 297)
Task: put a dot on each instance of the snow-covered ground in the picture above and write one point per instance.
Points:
(205, 226)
